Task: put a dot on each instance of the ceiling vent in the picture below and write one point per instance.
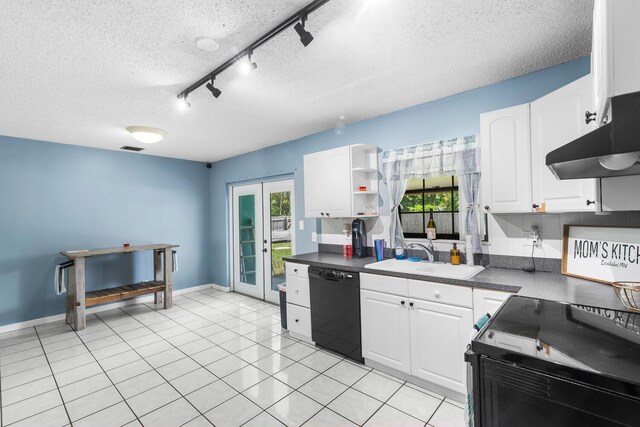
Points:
(130, 148)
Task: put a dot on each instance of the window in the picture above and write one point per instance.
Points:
(437, 194)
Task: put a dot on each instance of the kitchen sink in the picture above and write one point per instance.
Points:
(427, 268)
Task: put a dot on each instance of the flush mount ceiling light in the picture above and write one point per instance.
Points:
(207, 44)
(248, 66)
(297, 21)
(305, 36)
(214, 90)
(146, 134)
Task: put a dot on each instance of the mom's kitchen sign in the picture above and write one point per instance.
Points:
(602, 254)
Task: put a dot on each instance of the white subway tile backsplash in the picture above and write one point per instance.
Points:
(508, 233)
(615, 218)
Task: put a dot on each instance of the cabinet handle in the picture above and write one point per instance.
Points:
(589, 117)
(486, 207)
(295, 270)
(297, 320)
(411, 304)
(297, 290)
(436, 294)
(535, 206)
(327, 213)
(590, 202)
(322, 213)
(402, 302)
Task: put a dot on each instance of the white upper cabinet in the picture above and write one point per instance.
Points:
(329, 179)
(506, 160)
(557, 119)
(615, 62)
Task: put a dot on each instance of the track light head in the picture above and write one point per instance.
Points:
(214, 90)
(248, 66)
(305, 36)
(183, 104)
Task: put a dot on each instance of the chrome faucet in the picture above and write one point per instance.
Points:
(429, 249)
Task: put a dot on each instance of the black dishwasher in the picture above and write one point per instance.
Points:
(335, 311)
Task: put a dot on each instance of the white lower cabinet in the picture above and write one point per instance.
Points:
(485, 300)
(385, 330)
(299, 320)
(439, 338)
(298, 303)
(425, 339)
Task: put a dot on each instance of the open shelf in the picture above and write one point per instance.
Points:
(123, 292)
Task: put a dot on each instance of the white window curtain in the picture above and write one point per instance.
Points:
(457, 156)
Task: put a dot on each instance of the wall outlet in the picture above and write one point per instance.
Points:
(314, 236)
(533, 236)
(301, 224)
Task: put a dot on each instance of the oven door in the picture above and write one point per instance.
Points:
(510, 395)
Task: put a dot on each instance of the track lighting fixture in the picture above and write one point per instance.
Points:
(305, 36)
(214, 90)
(297, 20)
(183, 104)
(248, 66)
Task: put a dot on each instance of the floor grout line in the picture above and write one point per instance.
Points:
(154, 369)
(147, 315)
(53, 376)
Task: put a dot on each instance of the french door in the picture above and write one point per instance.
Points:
(263, 233)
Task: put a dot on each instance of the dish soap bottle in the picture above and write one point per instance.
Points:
(455, 255)
(431, 227)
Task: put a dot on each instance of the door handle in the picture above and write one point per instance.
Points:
(265, 241)
(264, 250)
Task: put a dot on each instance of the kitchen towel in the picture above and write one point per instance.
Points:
(59, 277)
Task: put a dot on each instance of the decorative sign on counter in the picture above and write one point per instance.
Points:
(601, 254)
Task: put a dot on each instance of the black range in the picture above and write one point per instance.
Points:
(540, 362)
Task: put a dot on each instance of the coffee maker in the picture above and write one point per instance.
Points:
(359, 238)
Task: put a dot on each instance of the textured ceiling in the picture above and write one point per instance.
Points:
(79, 72)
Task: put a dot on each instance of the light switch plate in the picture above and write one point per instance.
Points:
(301, 224)
(314, 236)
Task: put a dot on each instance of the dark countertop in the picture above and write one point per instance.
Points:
(549, 286)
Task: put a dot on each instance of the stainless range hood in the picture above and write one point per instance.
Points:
(611, 150)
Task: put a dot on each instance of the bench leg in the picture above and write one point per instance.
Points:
(75, 301)
(157, 298)
(168, 279)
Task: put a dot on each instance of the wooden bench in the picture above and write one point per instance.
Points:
(78, 299)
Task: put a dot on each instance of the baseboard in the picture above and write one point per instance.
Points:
(106, 307)
(442, 391)
(221, 288)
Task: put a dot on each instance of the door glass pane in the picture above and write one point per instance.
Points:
(280, 204)
(247, 246)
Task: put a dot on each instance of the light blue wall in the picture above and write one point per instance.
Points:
(453, 116)
(57, 197)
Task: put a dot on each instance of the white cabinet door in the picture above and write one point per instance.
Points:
(557, 119)
(485, 300)
(601, 61)
(385, 330)
(439, 337)
(314, 187)
(506, 160)
(337, 182)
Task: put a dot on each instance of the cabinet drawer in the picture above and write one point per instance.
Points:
(461, 296)
(298, 291)
(384, 284)
(297, 270)
(299, 320)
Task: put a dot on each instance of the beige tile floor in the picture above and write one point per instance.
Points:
(214, 358)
